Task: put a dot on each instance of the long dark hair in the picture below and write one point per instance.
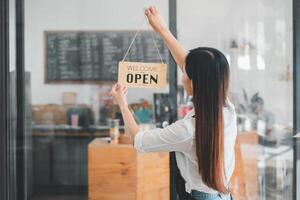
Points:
(209, 71)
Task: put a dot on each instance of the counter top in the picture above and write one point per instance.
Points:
(101, 142)
(66, 127)
(69, 133)
(67, 130)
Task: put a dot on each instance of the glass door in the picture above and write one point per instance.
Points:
(59, 60)
(72, 49)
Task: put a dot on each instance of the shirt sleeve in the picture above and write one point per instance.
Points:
(176, 137)
(229, 144)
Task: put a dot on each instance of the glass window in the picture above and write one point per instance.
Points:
(256, 37)
(72, 50)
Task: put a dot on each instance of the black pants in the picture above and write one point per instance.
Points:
(178, 183)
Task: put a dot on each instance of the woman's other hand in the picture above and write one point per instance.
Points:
(155, 19)
(119, 92)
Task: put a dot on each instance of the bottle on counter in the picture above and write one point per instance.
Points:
(114, 130)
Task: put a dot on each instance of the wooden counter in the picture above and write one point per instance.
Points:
(117, 171)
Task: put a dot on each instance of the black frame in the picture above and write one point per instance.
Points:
(173, 99)
(4, 93)
(20, 91)
(296, 99)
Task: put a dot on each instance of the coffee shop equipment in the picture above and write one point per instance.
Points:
(85, 116)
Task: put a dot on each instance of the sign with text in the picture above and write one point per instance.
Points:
(143, 75)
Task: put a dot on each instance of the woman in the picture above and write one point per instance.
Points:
(204, 140)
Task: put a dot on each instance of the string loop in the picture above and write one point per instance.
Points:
(134, 37)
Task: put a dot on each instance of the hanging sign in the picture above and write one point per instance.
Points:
(143, 75)
(140, 74)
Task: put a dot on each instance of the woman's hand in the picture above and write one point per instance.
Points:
(158, 24)
(155, 19)
(119, 92)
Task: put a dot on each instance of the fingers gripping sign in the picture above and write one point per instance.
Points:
(119, 92)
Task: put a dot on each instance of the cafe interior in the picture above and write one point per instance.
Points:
(76, 144)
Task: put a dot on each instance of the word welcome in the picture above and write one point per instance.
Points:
(141, 68)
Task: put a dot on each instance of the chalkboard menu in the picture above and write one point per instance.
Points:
(94, 55)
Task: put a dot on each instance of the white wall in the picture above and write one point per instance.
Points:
(266, 23)
(77, 15)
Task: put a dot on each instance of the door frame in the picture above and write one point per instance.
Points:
(296, 98)
(173, 99)
(21, 187)
(4, 94)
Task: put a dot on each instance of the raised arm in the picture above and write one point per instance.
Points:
(158, 24)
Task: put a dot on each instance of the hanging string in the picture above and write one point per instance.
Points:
(134, 37)
(155, 44)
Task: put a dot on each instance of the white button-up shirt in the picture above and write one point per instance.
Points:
(180, 138)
